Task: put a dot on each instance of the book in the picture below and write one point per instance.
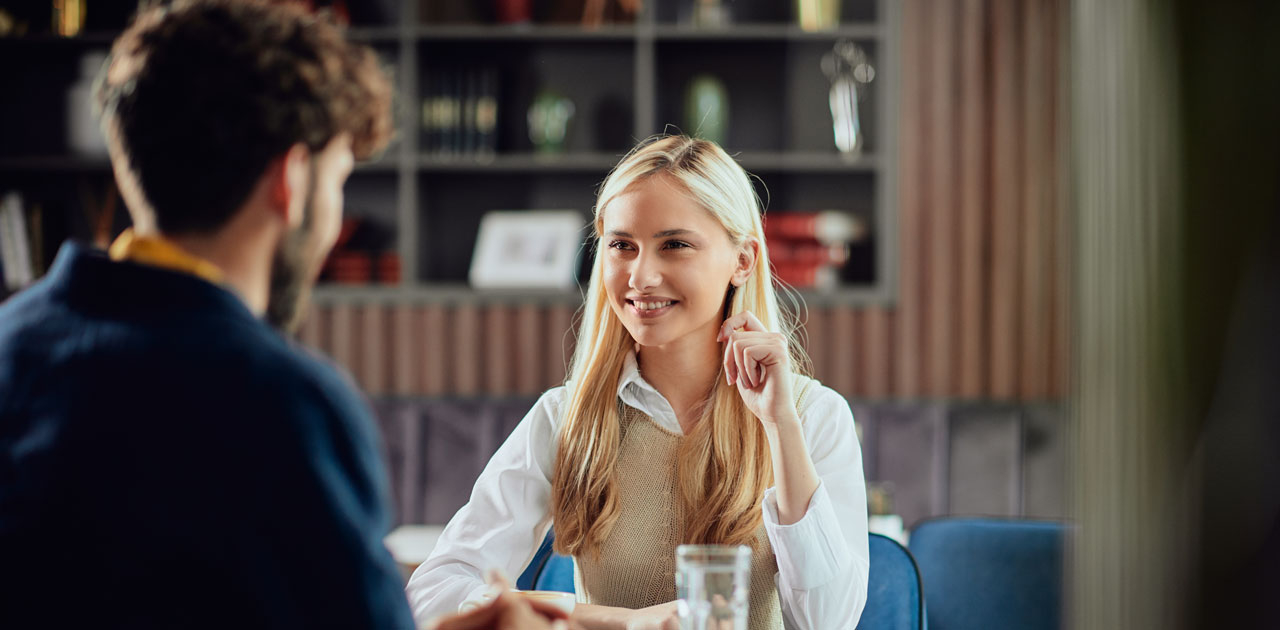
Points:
(787, 251)
(15, 243)
(487, 112)
(823, 226)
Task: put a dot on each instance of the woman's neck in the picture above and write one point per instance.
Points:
(683, 372)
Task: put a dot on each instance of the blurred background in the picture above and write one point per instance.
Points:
(1033, 241)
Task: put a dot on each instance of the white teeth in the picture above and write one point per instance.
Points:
(649, 306)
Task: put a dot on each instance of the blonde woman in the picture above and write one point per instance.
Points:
(684, 420)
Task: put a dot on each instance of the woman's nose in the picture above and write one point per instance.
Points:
(645, 273)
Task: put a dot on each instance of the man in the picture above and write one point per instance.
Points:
(167, 458)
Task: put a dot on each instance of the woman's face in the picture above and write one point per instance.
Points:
(667, 263)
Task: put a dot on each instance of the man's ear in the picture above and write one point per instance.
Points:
(748, 255)
(288, 175)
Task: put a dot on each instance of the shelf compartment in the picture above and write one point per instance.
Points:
(764, 32)
(524, 32)
(604, 113)
(521, 163)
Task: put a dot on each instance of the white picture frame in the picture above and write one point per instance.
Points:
(527, 249)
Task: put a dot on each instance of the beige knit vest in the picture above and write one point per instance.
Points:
(637, 563)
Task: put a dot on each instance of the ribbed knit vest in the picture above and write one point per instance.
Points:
(637, 564)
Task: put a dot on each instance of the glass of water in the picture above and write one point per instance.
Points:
(712, 586)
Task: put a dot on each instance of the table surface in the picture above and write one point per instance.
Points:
(411, 544)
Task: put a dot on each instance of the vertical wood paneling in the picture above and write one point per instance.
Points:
(437, 352)
(879, 364)
(1006, 184)
(818, 341)
(559, 344)
(343, 341)
(529, 348)
(1034, 330)
(1063, 296)
(858, 352)
(374, 350)
(940, 203)
(842, 350)
(467, 348)
(406, 359)
(973, 164)
(907, 340)
(309, 331)
(498, 351)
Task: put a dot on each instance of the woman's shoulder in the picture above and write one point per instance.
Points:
(816, 402)
(550, 406)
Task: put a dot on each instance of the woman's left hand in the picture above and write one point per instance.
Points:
(759, 362)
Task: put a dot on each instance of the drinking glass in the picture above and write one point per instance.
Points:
(712, 585)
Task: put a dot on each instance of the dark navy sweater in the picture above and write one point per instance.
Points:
(167, 460)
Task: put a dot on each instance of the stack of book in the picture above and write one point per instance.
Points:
(363, 254)
(808, 249)
(460, 113)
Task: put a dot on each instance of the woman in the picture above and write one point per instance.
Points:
(682, 421)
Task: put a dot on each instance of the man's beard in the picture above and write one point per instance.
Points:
(292, 274)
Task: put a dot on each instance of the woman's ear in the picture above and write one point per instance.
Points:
(748, 255)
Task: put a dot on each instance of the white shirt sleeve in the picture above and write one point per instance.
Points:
(823, 559)
(503, 523)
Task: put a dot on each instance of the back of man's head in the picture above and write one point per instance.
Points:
(200, 96)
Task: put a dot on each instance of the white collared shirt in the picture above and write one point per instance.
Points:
(822, 558)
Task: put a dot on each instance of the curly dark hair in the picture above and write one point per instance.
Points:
(203, 94)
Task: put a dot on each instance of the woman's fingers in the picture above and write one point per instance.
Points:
(745, 320)
(749, 355)
(730, 371)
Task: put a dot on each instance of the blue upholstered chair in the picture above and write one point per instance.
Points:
(894, 597)
(548, 571)
(990, 573)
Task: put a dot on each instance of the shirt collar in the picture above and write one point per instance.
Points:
(160, 252)
(636, 392)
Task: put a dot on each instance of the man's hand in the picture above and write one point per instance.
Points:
(507, 610)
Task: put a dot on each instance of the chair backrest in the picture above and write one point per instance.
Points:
(991, 573)
(894, 597)
(548, 571)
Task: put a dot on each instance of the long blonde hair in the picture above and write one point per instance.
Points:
(724, 464)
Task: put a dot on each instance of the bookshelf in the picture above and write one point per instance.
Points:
(627, 82)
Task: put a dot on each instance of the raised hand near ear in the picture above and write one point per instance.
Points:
(759, 363)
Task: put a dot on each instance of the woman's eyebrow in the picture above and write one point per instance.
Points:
(662, 234)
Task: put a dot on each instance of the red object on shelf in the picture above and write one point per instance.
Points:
(824, 226)
(350, 268)
(784, 251)
(389, 268)
(514, 11)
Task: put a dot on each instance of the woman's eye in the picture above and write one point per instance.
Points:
(619, 245)
(676, 245)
